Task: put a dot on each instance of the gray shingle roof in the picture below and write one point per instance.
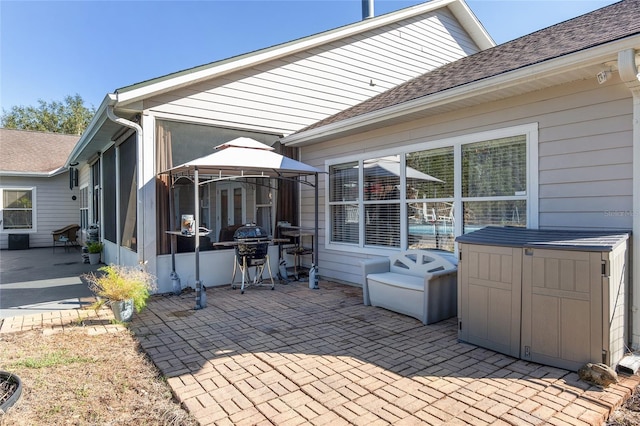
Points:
(601, 26)
(34, 152)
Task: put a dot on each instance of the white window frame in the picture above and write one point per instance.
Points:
(84, 206)
(34, 212)
(530, 131)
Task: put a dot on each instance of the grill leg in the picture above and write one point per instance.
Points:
(233, 276)
(273, 284)
(244, 273)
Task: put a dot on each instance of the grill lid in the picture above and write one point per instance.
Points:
(250, 232)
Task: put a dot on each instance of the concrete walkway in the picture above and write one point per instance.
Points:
(299, 356)
(42, 280)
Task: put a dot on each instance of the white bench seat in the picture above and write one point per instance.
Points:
(419, 283)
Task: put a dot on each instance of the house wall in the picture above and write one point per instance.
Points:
(54, 206)
(584, 154)
(287, 94)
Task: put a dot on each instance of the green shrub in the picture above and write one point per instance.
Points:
(95, 247)
(118, 283)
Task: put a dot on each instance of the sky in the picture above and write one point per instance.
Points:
(51, 49)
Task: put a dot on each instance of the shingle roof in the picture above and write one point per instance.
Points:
(605, 25)
(35, 152)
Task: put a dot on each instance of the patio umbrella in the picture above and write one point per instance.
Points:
(242, 158)
(390, 166)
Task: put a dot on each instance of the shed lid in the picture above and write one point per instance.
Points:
(546, 238)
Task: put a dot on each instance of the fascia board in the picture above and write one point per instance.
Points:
(599, 54)
(167, 83)
(29, 174)
(472, 25)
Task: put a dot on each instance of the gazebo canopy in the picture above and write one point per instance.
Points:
(245, 156)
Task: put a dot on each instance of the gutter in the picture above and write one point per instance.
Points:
(113, 99)
(52, 173)
(593, 56)
(629, 75)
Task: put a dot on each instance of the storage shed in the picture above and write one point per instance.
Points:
(552, 297)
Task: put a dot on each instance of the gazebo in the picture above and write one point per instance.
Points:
(240, 159)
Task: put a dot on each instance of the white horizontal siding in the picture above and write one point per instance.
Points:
(54, 206)
(584, 154)
(288, 94)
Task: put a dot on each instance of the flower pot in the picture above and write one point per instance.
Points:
(10, 390)
(94, 258)
(122, 310)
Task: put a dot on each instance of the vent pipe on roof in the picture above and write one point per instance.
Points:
(367, 9)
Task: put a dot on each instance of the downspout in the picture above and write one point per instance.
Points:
(629, 75)
(140, 214)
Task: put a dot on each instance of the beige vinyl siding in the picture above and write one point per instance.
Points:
(54, 207)
(584, 153)
(287, 94)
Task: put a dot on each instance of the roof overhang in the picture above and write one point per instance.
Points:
(577, 66)
(140, 91)
(99, 133)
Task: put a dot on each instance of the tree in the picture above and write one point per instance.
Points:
(69, 117)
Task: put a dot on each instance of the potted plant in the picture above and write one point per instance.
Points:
(124, 288)
(94, 248)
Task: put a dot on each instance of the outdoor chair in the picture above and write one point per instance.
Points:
(66, 237)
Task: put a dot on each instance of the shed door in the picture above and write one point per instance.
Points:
(562, 307)
(489, 280)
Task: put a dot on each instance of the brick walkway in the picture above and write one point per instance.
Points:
(56, 322)
(298, 356)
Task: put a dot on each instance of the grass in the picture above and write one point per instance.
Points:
(75, 378)
(52, 359)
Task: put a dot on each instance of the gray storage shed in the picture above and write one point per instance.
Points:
(548, 296)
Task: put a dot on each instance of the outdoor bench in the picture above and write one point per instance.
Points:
(419, 283)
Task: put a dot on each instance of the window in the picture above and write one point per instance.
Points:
(426, 196)
(84, 207)
(128, 191)
(17, 209)
(430, 197)
(108, 165)
(344, 208)
(494, 183)
(95, 180)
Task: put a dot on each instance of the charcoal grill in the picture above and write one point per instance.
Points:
(252, 246)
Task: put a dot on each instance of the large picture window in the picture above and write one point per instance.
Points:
(425, 197)
(17, 209)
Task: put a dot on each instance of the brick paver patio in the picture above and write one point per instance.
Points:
(299, 356)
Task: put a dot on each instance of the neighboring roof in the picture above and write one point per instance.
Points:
(27, 152)
(458, 8)
(611, 23)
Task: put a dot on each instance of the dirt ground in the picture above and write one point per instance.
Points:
(629, 413)
(74, 378)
